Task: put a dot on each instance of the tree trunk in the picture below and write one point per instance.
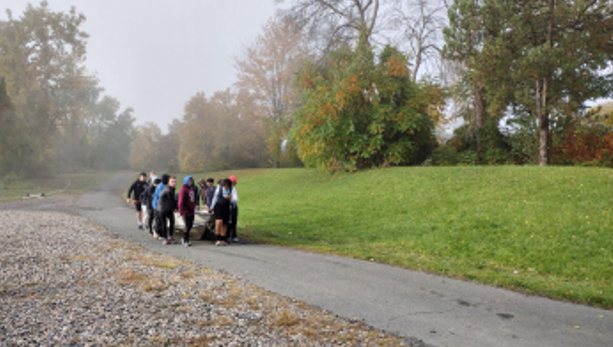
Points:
(541, 98)
(479, 117)
(543, 119)
(543, 139)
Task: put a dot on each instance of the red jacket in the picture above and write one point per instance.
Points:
(187, 201)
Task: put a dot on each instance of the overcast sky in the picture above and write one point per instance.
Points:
(153, 55)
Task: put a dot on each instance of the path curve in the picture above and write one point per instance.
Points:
(427, 309)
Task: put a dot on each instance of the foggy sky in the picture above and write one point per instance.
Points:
(153, 55)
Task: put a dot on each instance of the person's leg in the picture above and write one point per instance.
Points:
(158, 224)
(218, 229)
(171, 226)
(139, 218)
(232, 227)
(224, 230)
(150, 221)
(189, 223)
(163, 225)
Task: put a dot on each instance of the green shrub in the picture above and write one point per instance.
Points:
(445, 156)
(468, 158)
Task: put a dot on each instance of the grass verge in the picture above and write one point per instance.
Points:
(62, 185)
(544, 231)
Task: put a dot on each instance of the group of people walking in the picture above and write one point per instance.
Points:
(158, 198)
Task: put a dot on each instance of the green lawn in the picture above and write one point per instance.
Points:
(73, 184)
(537, 230)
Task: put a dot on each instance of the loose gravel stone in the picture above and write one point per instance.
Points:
(65, 281)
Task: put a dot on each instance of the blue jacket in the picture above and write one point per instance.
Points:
(156, 195)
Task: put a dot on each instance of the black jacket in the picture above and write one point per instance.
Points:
(167, 202)
(211, 195)
(197, 194)
(147, 197)
(137, 188)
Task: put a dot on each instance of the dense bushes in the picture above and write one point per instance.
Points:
(358, 113)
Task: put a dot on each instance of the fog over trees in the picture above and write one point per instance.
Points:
(338, 84)
(55, 116)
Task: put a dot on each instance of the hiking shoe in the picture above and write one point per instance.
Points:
(235, 240)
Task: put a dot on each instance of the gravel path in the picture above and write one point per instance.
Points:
(66, 281)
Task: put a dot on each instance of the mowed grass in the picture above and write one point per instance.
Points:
(545, 231)
(72, 184)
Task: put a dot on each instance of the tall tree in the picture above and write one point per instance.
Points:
(546, 58)
(10, 132)
(420, 23)
(111, 146)
(41, 56)
(220, 132)
(267, 71)
(143, 152)
(168, 148)
(336, 20)
(465, 38)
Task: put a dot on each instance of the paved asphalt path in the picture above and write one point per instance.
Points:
(431, 310)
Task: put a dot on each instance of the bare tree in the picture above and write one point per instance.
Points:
(420, 24)
(267, 70)
(335, 22)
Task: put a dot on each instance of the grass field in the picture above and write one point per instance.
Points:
(71, 184)
(546, 231)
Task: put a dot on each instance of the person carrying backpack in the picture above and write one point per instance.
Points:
(147, 200)
(188, 198)
(224, 196)
(136, 190)
(156, 197)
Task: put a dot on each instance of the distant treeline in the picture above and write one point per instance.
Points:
(336, 84)
(54, 116)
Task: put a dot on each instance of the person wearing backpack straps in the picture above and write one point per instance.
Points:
(224, 196)
(147, 200)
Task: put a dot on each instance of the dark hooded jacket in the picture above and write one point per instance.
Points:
(187, 198)
(167, 202)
